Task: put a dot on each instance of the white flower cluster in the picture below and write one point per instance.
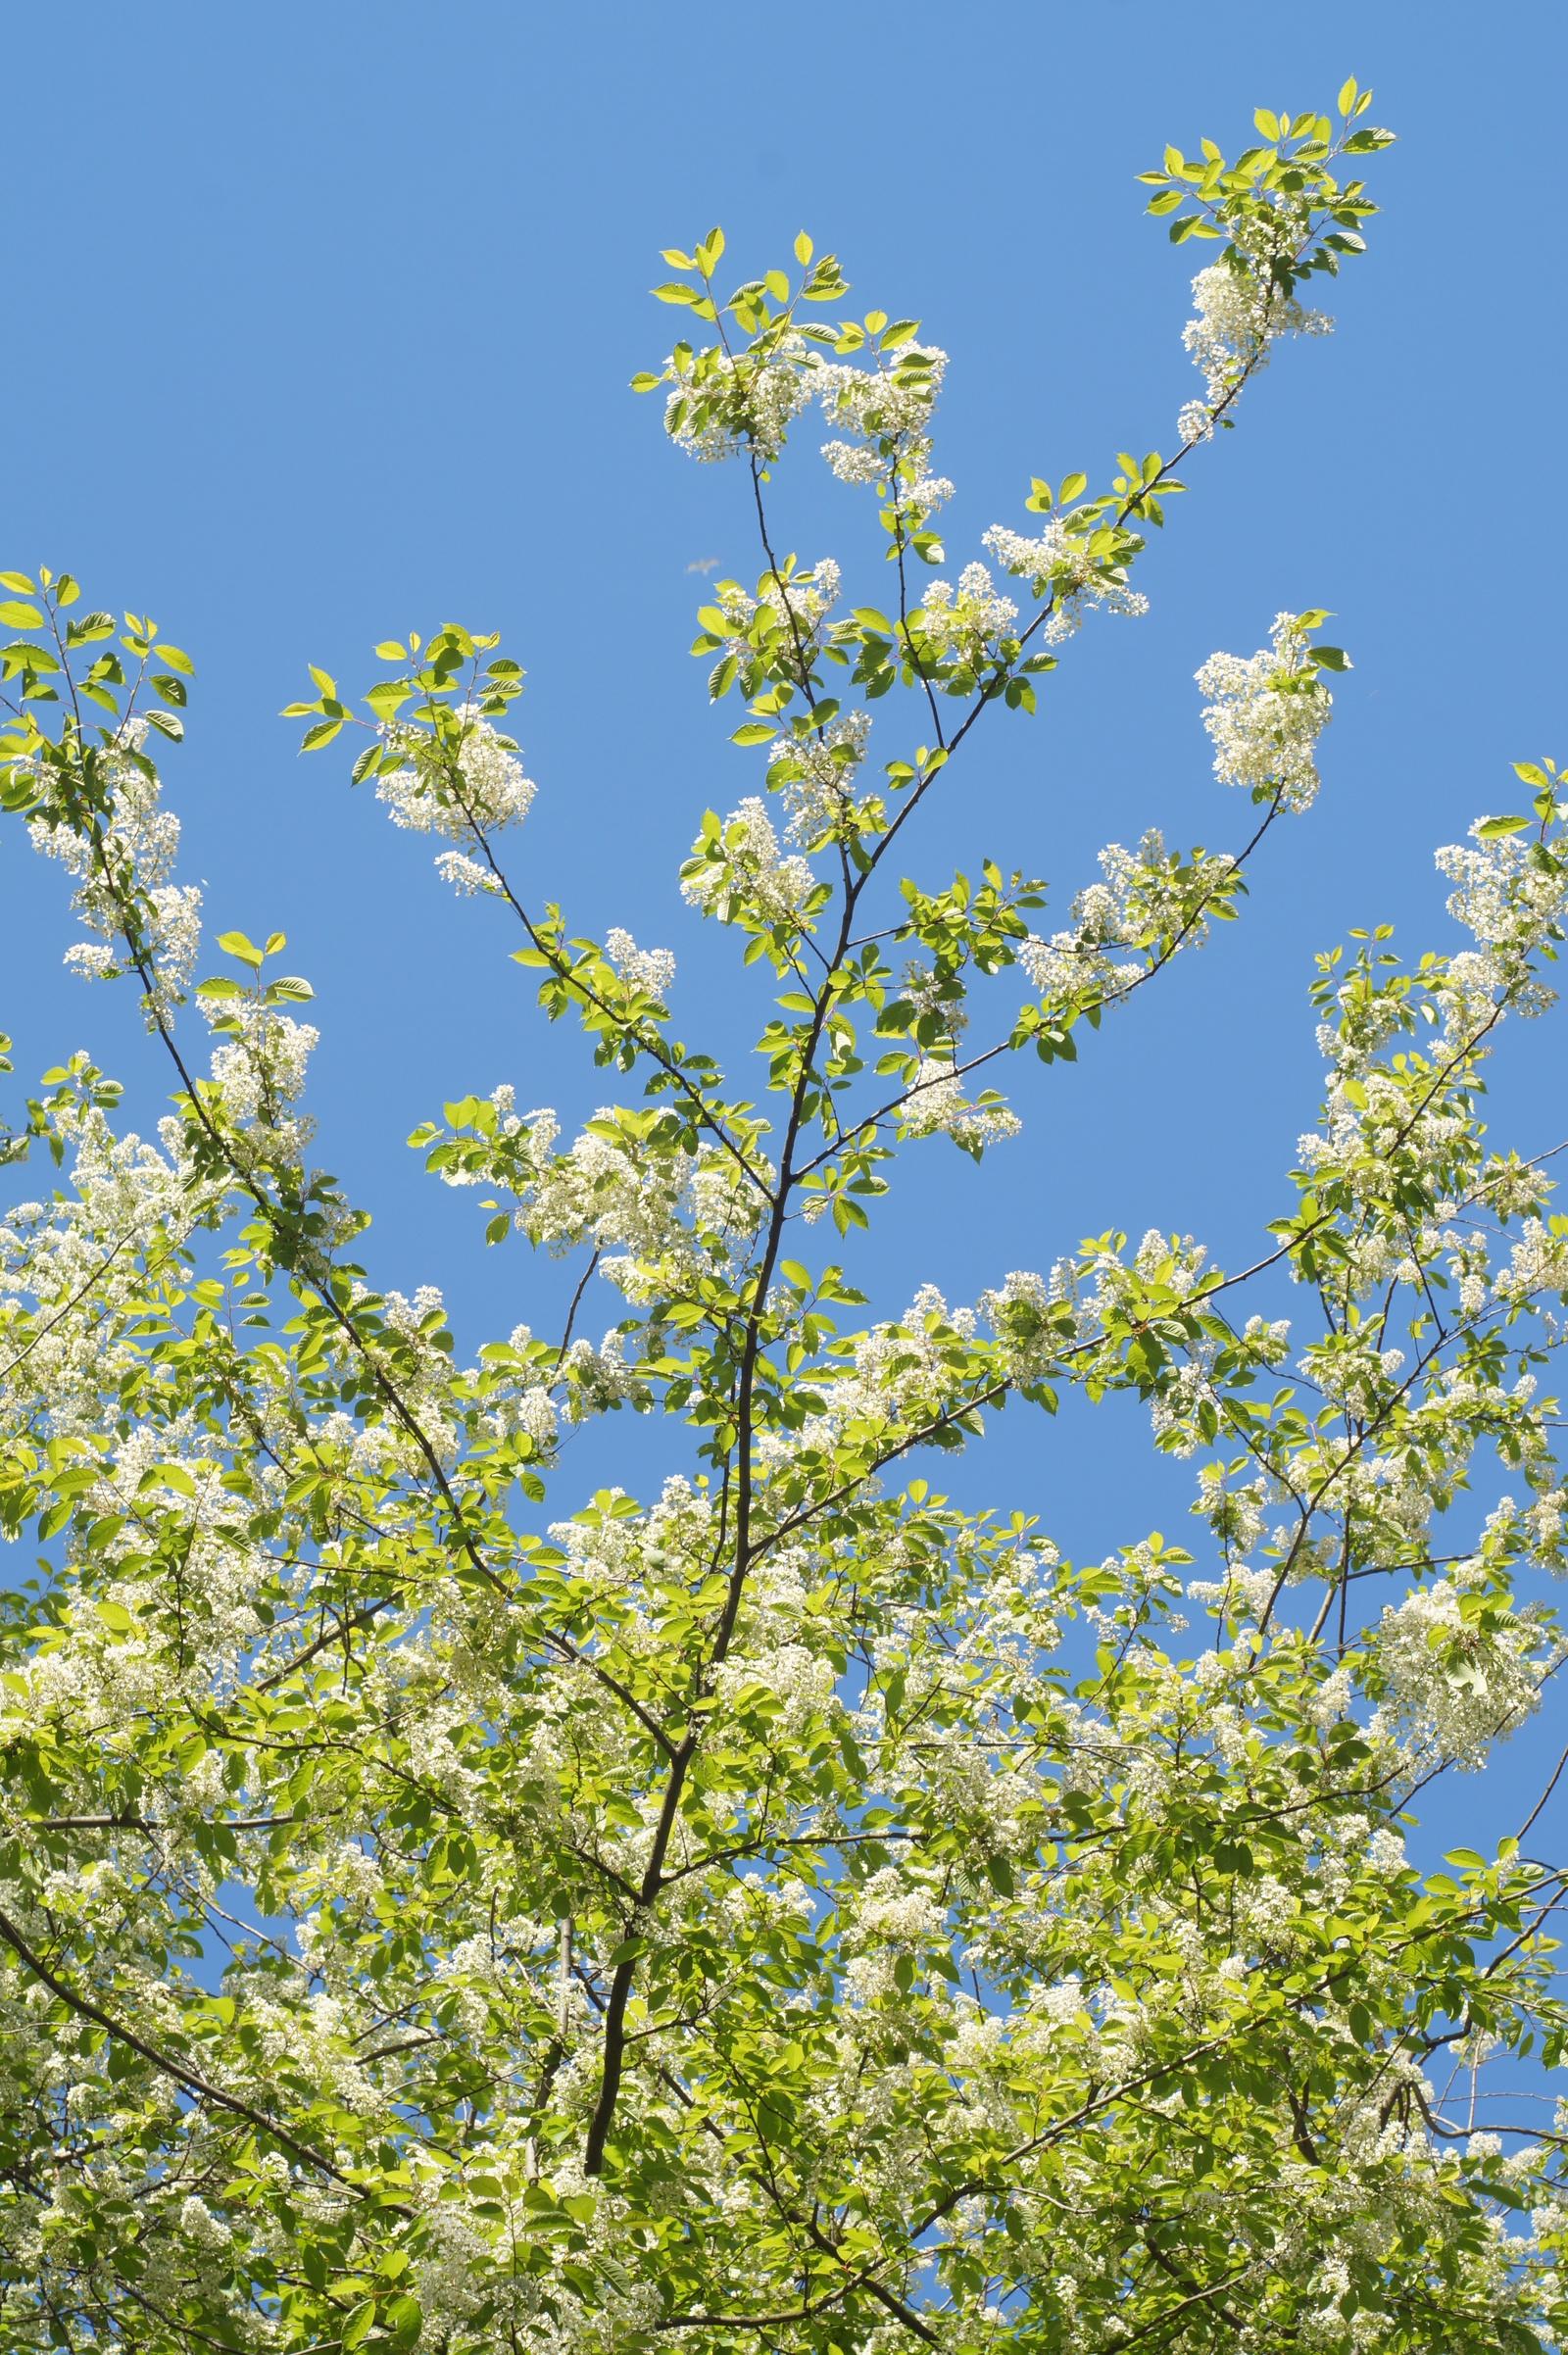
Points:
(138, 851)
(650, 969)
(262, 1073)
(967, 622)
(1450, 1691)
(477, 791)
(78, 1264)
(756, 398)
(1240, 313)
(1264, 730)
(1141, 905)
(664, 1215)
(899, 1373)
(774, 886)
(1059, 562)
(1537, 1263)
(1514, 905)
(798, 605)
(1016, 1314)
(889, 422)
(818, 775)
(938, 1106)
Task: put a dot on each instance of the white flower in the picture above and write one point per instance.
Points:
(650, 969)
(1240, 313)
(1263, 729)
(751, 870)
(474, 789)
(818, 775)
(138, 849)
(937, 1102)
(1061, 563)
(756, 398)
(1146, 902)
(888, 410)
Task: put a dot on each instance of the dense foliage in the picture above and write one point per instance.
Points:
(789, 1911)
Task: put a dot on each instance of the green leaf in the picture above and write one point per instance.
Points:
(171, 689)
(389, 651)
(802, 249)
(172, 655)
(674, 292)
(755, 732)
(90, 628)
(1490, 828)
(322, 733)
(167, 726)
(236, 944)
(358, 2325)
(20, 616)
(17, 582)
(1072, 487)
(404, 2318)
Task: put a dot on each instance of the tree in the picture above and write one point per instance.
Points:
(793, 1912)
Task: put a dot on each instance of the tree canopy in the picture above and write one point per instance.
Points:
(791, 1911)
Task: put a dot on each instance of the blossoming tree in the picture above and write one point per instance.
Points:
(792, 1911)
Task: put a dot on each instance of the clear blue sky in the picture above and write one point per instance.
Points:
(322, 322)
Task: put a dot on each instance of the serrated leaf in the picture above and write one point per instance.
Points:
(1072, 487)
(20, 616)
(90, 628)
(169, 689)
(236, 944)
(167, 726)
(17, 582)
(389, 651)
(173, 655)
(755, 732)
(288, 985)
(323, 680)
(672, 291)
(1491, 829)
(322, 733)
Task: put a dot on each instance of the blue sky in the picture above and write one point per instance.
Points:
(322, 320)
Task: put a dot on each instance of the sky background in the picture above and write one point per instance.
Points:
(323, 322)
